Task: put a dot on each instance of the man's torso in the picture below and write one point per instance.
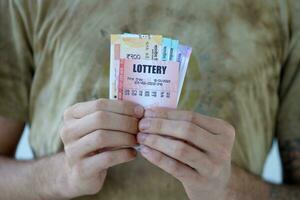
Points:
(238, 47)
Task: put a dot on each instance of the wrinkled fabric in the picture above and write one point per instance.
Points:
(244, 69)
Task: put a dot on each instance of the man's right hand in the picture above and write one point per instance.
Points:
(97, 135)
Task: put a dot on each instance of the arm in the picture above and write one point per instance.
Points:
(16, 176)
(290, 155)
(195, 149)
(29, 179)
(96, 135)
(244, 185)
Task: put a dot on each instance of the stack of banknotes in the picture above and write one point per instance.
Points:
(147, 69)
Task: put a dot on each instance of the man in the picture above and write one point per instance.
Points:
(54, 76)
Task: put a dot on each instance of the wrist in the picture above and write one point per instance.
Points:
(235, 188)
(51, 177)
(244, 185)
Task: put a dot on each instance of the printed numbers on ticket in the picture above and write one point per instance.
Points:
(148, 82)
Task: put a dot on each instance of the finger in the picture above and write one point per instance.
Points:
(210, 124)
(102, 161)
(178, 150)
(180, 171)
(99, 120)
(80, 110)
(183, 130)
(98, 140)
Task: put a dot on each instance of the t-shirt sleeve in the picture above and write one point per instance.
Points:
(16, 60)
(288, 118)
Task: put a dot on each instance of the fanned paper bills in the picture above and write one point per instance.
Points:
(147, 69)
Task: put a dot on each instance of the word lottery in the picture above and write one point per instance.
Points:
(147, 69)
(151, 69)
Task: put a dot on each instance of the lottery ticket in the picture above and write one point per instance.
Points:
(173, 50)
(147, 69)
(183, 57)
(131, 47)
(137, 35)
(155, 83)
(166, 49)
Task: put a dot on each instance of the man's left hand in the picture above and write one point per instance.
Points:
(195, 149)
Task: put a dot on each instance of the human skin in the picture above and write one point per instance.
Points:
(200, 156)
(196, 150)
(96, 135)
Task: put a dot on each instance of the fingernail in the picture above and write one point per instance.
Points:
(141, 137)
(144, 124)
(139, 111)
(144, 149)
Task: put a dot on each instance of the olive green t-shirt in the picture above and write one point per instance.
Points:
(244, 69)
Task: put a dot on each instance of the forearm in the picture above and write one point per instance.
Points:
(278, 192)
(246, 186)
(32, 180)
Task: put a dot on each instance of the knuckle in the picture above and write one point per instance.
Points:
(220, 122)
(225, 156)
(67, 129)
(62, 134)
(67, 149)
(65, 132)
(72, 108)
(231, 133)
(79, 169)
(158, 124)
(101, 115)
(181, 150)
(75, 106)
(175, 169)
(101, 103)
(107, 158)
(70, 151)
(191, 128)
(215, 170)
(188, 131)
(228, 128)
(100, 137)
(188, 128)
(152, 140)
(66, 113)
(126, 106)
(131, 124)
(199, 179)
(193, 181)
(157, 158)
(202, 181)
(191, 116)
(223, 153)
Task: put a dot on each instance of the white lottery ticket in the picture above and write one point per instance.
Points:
(147, 69)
